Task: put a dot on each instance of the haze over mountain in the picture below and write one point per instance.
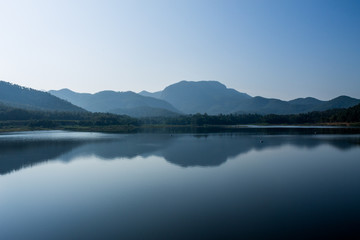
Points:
(128, 103)
(22, 97)
(184, 97)
(213, 98)
(262, 105)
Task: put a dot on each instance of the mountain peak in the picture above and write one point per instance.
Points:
(343, 97)
(63, 90)
(203, 83)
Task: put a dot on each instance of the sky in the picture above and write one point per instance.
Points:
(273, 48)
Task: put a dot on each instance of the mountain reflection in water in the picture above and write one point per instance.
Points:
(185, 150)
(249, 184)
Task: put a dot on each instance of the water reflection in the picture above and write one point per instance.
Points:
(18, 151)
(273, 186)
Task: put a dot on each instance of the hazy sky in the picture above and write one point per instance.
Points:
(281, 49)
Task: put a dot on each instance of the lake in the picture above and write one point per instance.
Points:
(254, 183)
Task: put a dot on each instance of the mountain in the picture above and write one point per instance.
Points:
(262, 105)
(128, 103)
(339, 102)
(306, 101)
(211, 97)
(214, 98)
(22, 97)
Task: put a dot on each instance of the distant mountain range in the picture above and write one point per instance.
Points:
(184, 97)
(128, 103)
(262, 105)
(213, 98)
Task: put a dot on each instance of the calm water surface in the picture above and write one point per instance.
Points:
(244, 185)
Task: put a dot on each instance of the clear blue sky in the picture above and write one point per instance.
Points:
(274, 48)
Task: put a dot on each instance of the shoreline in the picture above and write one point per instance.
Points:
(352, 127)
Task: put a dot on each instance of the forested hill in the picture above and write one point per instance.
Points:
(347, 115)
(25, 119)
(22, 97)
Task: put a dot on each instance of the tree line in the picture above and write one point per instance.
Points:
(350, 115)
(49, 119)
(10, 116)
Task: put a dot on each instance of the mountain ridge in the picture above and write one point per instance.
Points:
(232, 101)
(184, 97)
(117, 102)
